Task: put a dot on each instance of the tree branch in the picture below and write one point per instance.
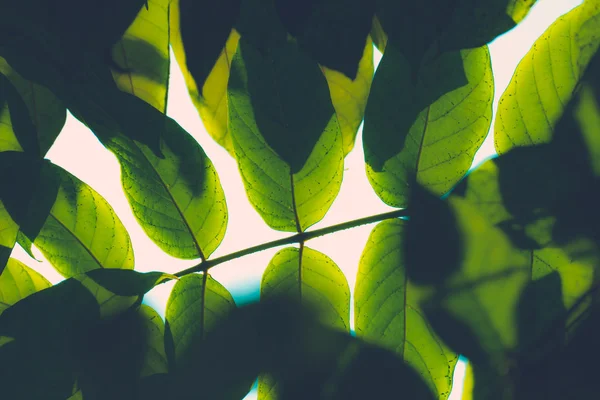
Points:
(296, 238)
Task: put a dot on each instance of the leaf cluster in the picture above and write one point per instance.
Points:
(497, 264)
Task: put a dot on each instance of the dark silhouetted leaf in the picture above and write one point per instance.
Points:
(210, 99)
(205, 27)
(9, 231)
(387, 310)
(18, 281)
(426, 124)
(434, 246)
(18, 119)
(124, 282)
(28, 189)
(333, 32)
(38, 361)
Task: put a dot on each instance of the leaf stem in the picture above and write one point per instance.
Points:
(296, 238)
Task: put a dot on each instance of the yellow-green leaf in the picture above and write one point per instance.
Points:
(144, 52)
(349, 97)
(545, 79)
(18, 281)
(211, 99)
(388, 312)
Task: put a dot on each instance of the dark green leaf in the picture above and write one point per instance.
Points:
(287, 199)
(28, 189)
(20, 120)
(545, 79)
(82, 231)
(205, 27)
(124, 282)
(387, 310)
(113, 354)
(426, 124)
(38, 361)
(434, 247)
(333, 32)
(453, 25)
(18, 281)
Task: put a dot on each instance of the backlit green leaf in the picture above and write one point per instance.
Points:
(155, 358)
(47, 113)
(143, 54)
(209, 99)
(178, 199)
(387, 310)
(349, 97)
(311, 278)
(196, 304)
(8, 236)
(17, 121)
(426, 125)
(291, 165)
(18, 281)
(545, 79)
(83, 232)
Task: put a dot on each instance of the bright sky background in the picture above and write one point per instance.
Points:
(78, 151)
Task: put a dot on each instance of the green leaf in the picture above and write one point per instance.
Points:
(143, 55)
(196, 304)
(46, 111)
(28, 188)
(455, 24)
(205, 27)
(278, 104)
(427, 124)
(18, 121)
(209, 99)
(38, 362)
(82, 231)
(113, 354)
(18, 281)
(155, 358)
(125, 282)
(178, 200)
(387, 310)
(310, 278)
(349, 97)
(545, 80)
(291, 175)
(333, 32)
(9, 231)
